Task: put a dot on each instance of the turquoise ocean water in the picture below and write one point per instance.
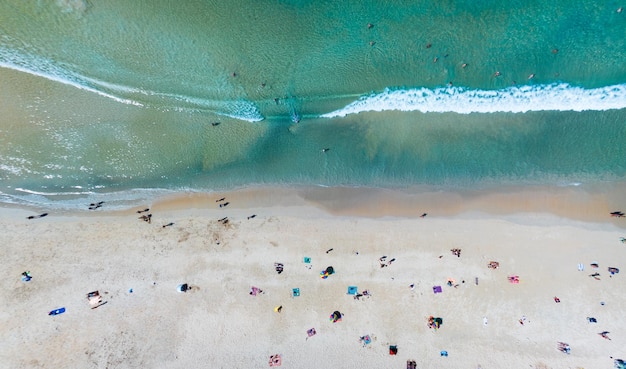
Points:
(121, 99)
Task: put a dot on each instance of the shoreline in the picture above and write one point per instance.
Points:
(578, 203)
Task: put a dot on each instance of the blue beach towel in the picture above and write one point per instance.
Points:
(57, 311)
(352, 290)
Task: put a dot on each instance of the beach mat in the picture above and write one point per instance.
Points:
(57, 311)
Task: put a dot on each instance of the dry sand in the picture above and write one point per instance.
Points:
(219, 324)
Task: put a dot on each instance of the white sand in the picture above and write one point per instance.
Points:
(220, 325)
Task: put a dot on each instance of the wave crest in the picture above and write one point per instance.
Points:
(41, 67)
(515, 99)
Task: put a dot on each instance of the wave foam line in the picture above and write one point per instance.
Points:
(41, 67)
(522, 99)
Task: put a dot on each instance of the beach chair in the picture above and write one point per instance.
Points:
(443, 353)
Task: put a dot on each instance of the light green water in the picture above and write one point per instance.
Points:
(115, 96)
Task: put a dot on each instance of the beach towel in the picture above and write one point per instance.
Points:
(255, 291)
(581, 267)
(295, 292)
(352, 290)
(366, 339)
(393, 350)
(57, 311)
(307, 260)
(26, 277)
(437, 289)
(276, 360)
(311, 332)
(514, 279)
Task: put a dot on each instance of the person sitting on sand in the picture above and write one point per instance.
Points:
(563, 347)
(605, 335)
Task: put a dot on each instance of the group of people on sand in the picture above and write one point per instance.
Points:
(383, 261)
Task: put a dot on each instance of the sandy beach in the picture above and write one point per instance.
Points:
(538, 236)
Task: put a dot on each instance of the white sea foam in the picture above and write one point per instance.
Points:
(515, 99)
(41, 67)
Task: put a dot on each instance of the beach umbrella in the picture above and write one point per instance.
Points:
(183, 287)
(330, 270)
(336, 316)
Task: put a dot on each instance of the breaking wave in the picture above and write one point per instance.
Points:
(515, 99)
(41, 67)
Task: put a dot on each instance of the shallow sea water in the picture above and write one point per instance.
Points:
(121, 96)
